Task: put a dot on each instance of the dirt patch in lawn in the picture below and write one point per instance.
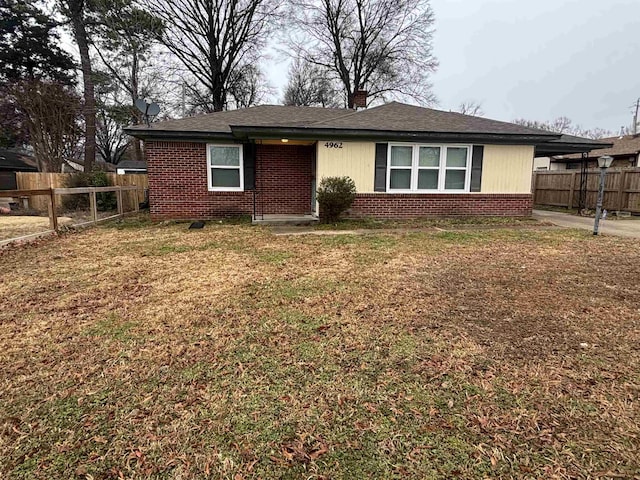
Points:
(138, 350)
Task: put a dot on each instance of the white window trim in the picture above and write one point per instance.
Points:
(442, 169)
(229, 167)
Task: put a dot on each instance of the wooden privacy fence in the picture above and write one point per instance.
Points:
(51, 196)
(39, 181)
(562, 189)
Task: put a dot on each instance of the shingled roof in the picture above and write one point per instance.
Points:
(618, 146)
(388, 122)
(391, 117)
(263, 115)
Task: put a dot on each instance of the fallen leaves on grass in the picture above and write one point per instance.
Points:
(232, 353)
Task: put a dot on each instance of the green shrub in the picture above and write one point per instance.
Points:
(105, 201)
(335, 196)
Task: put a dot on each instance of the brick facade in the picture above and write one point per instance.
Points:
(178, 182)
(394, 205)
(178, 189)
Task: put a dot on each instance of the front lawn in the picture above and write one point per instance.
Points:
(144, 351)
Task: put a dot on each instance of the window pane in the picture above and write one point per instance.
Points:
(454, 179)
(428, 179)
(225, 177)
(429, 157)
(401, 156)
(400, 179)
(229, 156)
(456, 157)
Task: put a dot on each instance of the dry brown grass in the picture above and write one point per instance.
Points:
(14, 226)
(150, 351)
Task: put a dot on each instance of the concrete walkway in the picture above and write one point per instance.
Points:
(629, 227)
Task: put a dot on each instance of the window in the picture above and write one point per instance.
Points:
(428, 168)
(224, 165)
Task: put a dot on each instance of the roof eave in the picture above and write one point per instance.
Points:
(239, 133)
(259, 132)
(558, 148)
(167, 135)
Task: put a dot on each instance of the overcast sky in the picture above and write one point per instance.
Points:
(537, 60)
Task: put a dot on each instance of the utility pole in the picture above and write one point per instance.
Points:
(634, 125)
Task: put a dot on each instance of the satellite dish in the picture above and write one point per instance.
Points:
(153, 110)
(148, 109)
(141, 105)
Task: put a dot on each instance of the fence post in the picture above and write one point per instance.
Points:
(535, 187)
(93, 205)
(136, 204)
(53, 216)
(622, 177)
(119, 200)
(571, 190)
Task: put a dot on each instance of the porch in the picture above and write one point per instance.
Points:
(285, 182)
(291, 220)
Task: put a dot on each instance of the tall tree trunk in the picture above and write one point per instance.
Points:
(136, 117)
(89, 108)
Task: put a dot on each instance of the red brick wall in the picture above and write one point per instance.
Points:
(283, 178)
(178, 189)
(393, 205)
(178, 184)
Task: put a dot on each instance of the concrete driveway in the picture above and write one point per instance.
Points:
(629, 227)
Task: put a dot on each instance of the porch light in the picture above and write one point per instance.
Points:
(284, 140)
(605, 161)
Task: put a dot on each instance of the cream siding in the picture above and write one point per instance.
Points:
(507, 169)
(354, 159)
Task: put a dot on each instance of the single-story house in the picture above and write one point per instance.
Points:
(131, 166)
(406, 161)
(12, 161)
(624, 149)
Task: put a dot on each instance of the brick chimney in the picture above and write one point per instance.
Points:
(360, 99)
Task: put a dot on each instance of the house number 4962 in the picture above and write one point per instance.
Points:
(333, 145)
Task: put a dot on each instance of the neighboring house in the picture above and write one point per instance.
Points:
(131, 166)
(12, 161)
(568, 145)
(406, 161)
(625, 151)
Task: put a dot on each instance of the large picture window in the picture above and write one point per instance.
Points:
(428, 168)
(224, 165)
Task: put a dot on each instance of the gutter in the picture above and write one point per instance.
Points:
(245, 133)
(259, 132)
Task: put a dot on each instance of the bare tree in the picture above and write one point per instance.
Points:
(471, 107)
(310, 85)
(381, 46)
(565, 125)
(52, 113)
(112, 142)
(215, 40)
(76, 12)
(248, 87)
(124, 43)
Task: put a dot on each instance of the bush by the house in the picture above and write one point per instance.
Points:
(335, 196)
(105, 201)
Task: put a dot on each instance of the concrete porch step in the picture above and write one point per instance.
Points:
(272, 219)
